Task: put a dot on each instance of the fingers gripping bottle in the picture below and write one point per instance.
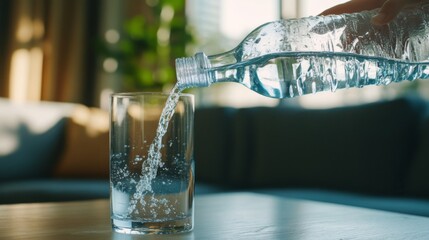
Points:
(289, 58)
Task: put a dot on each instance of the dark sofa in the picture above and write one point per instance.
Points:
(373, 155)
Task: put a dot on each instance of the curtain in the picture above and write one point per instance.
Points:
(47, 52)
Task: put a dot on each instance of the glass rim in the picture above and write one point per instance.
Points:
(138, 94)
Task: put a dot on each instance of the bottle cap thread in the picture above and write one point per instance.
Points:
(193, 71)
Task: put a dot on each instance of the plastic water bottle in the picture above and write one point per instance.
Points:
(289, 58)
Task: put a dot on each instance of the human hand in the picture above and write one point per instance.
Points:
(388, 8)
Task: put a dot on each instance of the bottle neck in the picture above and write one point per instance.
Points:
(222, 59)
(193, 71)
(198, 70)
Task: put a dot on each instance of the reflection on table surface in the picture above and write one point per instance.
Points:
(217, 216)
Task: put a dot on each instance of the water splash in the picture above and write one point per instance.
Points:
(154, 157)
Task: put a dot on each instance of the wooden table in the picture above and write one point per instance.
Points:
(219, 216)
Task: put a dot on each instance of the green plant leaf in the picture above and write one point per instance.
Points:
(135, 27)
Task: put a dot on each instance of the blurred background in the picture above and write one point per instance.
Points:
(81, 51)
(61, 59)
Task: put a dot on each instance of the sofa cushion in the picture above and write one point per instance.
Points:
(213, 143)
(362, 148)
(48, 190)
(86, 146)
(31, 136)
(418, 181)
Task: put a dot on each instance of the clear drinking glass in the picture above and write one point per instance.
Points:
(151, 193)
